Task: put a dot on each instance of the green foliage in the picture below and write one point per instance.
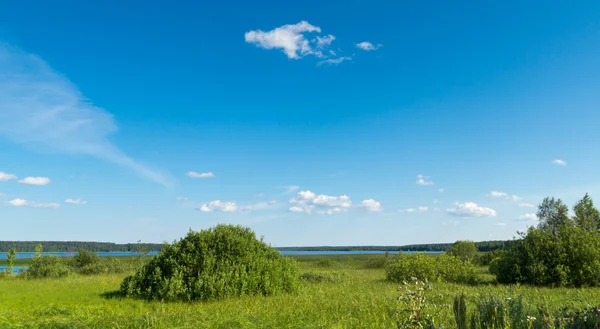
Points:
(553, 214)
(38, 250)
(416, 311)
(567, 256)
(47, 266)
(324, 262)
(445, 268)
(464, 250)
(587, 217)
(10, 260)
(378, 262)
(71, 246)
(327, 277)
(217, 263)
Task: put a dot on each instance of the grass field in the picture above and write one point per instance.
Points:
(361, 298)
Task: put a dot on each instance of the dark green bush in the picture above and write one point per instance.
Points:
(47, 266)
(444, 267)
(324, 262)
(221, 262)
(329, 276)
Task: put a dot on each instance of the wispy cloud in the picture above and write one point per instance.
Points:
(334, 61)
(418, 209)
(289, 188)
(182, 199)
(75, 201)
(40, 181)
(194, 174)
(441, 190)
(39, 106)
(290, 38)
(366, 45)
(232, 206)
(528, 217)
(470, 209)
(559, 162)
(502, 195)
(423, 180)
(499, 224)
(6, 177)
(24, 203)
(526, 205)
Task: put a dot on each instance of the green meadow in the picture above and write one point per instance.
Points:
(355, 297)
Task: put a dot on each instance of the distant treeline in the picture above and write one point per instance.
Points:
(70, 246)
(483, 246)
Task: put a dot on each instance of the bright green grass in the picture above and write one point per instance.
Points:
(361, 300)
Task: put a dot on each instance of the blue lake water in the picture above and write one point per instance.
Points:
(23, 255)
(16, 269)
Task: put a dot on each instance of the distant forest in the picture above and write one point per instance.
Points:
(70, 246)
(483, 246)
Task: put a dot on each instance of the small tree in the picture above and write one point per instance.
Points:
(587, 217)
(465, 250)
(38, 250)
(553, 214)
(10, 259)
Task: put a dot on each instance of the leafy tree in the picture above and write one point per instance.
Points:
(85, 258)
(552, 214)
(38, 250)
(556, 253)
(464, 250)
(587, 216)
(221, 262)
(10, 259)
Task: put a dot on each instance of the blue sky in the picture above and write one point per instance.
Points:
(344, 123)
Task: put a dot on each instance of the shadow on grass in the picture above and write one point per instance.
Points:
(112, 295)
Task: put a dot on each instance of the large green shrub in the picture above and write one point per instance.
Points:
(224, 261)
(565, 256)
(432, 268)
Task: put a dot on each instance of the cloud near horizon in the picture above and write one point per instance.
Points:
(40, 107)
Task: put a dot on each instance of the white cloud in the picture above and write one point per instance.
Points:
(42, 108)
(6, 177)
(289, 188)
(75, 201)
(290, 38)
(366, 45)
(526, 205)
(219, 205)
(24, 203)
(499, 224)
(532, 217)
(370, 205)
(559, 162)
(194, 174)
(470, 209)
(182, 199)
(40, 181)
(18, 202)
(418, 209)
(308, 202)
(423, 180)
(325, 41)
(441, 190)
(334, 61)
(503, 195)
(496, 194)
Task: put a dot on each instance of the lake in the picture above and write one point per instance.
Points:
(24, 255)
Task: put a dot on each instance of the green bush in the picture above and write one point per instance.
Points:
(431, 268)
(221, 262)
(89, 263)
(566, 256)
(328, 277)
(324, 262)
(47, 266)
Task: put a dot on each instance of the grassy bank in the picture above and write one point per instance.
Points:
(359, 299)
